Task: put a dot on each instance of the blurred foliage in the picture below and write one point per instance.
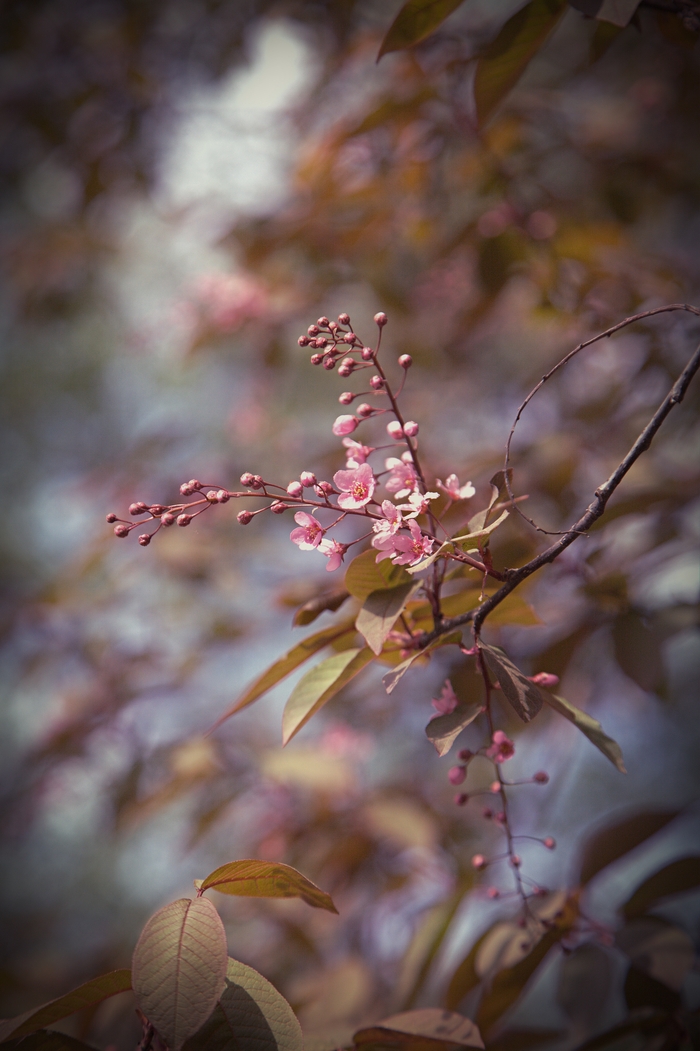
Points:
(147, 340)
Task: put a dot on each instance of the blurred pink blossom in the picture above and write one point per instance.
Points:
(446, 702)
(227, 301)
(402, 479)
(501, 749)
(453, 489)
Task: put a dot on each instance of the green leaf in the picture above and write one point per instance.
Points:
(614, 841)
(416, 20)
(522, 695)
(590, 727)
(443, 730)
(286, 665)
(86, 995)
(46, 1040)
(391, 679)
(265, 879)
(365, 575)
(318, 686)
(676, 878)
(428, 1027)
(331, 600)
(379, 613)
(504, 61)
(251, 1014)
(179, 968)
(472, 538)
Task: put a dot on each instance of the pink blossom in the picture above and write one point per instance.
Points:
(345, 425)
(456, 775)
(404, 550)
(226, 301)
(334, 552)
(309, 535)
(394, 429)
(453, 489)
(546, 679)
(402, 479)
(356, 487)
(501, 749)
(418, 504)
(446, 702)
(389, 524)
(356, 452)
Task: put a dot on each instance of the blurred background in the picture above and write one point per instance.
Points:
(186, 185)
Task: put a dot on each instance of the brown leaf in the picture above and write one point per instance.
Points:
(522, 695)
(265, 879)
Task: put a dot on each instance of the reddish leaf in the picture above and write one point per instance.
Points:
(416, 20)
(427, 1029)
(265, 879)
(86, 995)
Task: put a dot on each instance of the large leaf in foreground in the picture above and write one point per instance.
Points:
(616, 840)
(179, 968)
(680, 876)
(522, 695)
(421, 1030)
(286, 665)
(250, 1014)
(504, 61)
(46, 1040)
(86, 995)
(590, 727)
(443, 730)
(318, 686)
(265, 879)
(416, 20)
(379, 613)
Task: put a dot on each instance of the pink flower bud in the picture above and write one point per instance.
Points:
(493, 893)
(312, 330)
(394, 429)
(345, 425)
(167, 519)
(457, 775)
(545, 679)
(465, 754)
(364, 410)
(145, 539)
(278, 508)
(516, 861)
(316, 359)
(184, 520)
(186, 489)
(333, 325)
(257, 482)
(307, 479)
(348, 362)
(343, 319)
(500, 817)
(322, 322)
(325, 487)
(295, 489)
(350, 338)
(244, 517)
(320, 342)
(121, 530)
(329, 362)
(137, 508)
(479, 862)
(381, 319)
(541, 778)
(495, 787)
(550, 843)
(410, 429)
(376, 383)
(111, 517)
(405, 361)
(195, 484)
(344, 371)
(212, 496)
(156, 509)
(303, 341)
(247, 478)
(487, 812)
(346, 397)
(461, 799)
(367, 353)
(223, 496)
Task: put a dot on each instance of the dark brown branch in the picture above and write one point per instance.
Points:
(593, 512)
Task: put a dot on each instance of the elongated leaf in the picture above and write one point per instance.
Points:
(444, 729)
(179, 968)
(590, 727)
(522, 695)
(379, 613)
(365, 575)
(638, 652)
(250, 1014)
(614, 841)
(504, 61)
(416, 20)
(392, 677)
(265, 879)
(679, 876)
(418, 1030)
(331, 600)
(86, 995)
(46, 1040)
(659, 948)
(509, 984)
(465, 976)
(286, 665)
(318, 686)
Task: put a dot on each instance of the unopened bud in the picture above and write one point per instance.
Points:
(367, 353)
(344, 371)
(350, 338)
(303, 341)
(156, 509)
(487, 812)
(465, 754)
(541, 777)
(495, 787)
(461, 798)
(257, 482)
(493, 893)
(138, 508)
(278, 508)
(329, 362)
(405, 361)
(307, 479)
(167, 519)
(244, 517)
(550, 843)
(223, 496)
(195, 484)
(322, 322)
(410, 429)
(479, 862)
(312, 330)
(348, 362)
(325, 487)
(394, 429)
(186, 489)
(343, 319)
(247, 478)
(111, 517)
(376, 383)
(346, 397)
(457, 775)
(500, 817)
(184, 520)
(121, 530)
(212, 496)
(316, 359)
(145, 539)
(545, 679)
(345, 425)
(320, 342)
(295, 489)
(516, 861)
(364, 410)
(333, 326)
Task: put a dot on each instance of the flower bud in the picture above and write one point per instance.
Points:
(376, 383)
(345, 425)
(244, 517)
(410, 429)
(320, 342)
(346, 397)
(312, 330)
(550, 843)
(364, 410)
(145, 539)
(350, 338)
(184, 520)
(394, 429)
(329, 362)
(493, 893)
(212, 496)
(111, 517)
(307, 479)
(186, 489)
(500, 817)
(348, 362)
(367, 353)
(325, 487)
(316, 359)
(343, 319)
(541, 778)
(138, 508)
(195, 484)
(465, 754)
(461, 799)
(495, 787)
(295, 489)
(457, 775)
(157, 509)
(479, 862)
(545, 679)
(278, 508)
(345, 371)
(121, 530)
(487, 813)
(247, 478)
(381, 319)
(303, 341)
(405, 361)
(516, 861)
(223, 496)
(322, 322)
(333, 326)
(257, 482)
(167, 519)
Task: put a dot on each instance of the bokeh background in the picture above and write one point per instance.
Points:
(188, 184)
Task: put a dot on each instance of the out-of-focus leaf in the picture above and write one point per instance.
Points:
(286, 665)
(416, 20)
(675, 31)
(310, 768)
(641, 990)
(604, 36)
(638, 652)
(424, 1030)
(679, 876)
(509, 984)
(425, 945)
(586, 981)
(504, 61)
(588, 726)
(46, 1040)
(657, 947)
(179, 968)
(312, 609)
(401, 821)
(465, 541)
(507, 943)
(392, 678)
(379, 613)
(86, 995)
(618, 12)
(513, 610)
(319, 685)
(522, 695)
(443, 730)
(465, 977)
(525, 1039)
(250, 1014)
(265, 879)
(614, 841)
(365, 575)
(647, 1021)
